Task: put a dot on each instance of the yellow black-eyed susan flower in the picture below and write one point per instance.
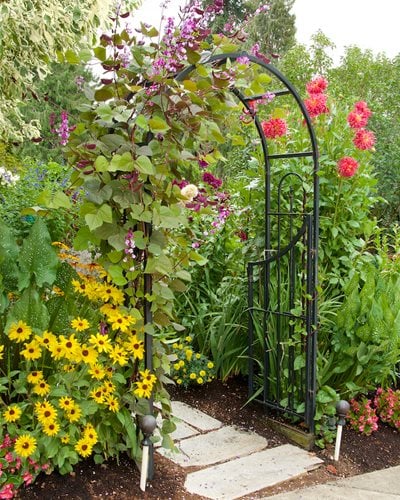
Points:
(25, 445)
(34, 377)
(12, 414)
(19, 331)
(51, 428)
(84, 448)
(80, 324)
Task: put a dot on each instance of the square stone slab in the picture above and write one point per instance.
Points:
(248, 474)
(182, 431)
(216, 446)
(193, 417)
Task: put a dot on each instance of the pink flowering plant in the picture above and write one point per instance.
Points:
(362, 416)
(14, 470)
(365, 414)
(347, 183)
(387, 403)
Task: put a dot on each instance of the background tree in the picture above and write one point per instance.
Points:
(275, 29)
(301, 63)
(235, 12)
(32, 35)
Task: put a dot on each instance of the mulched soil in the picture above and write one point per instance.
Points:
(224, 401)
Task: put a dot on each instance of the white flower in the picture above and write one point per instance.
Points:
(189, 192)
(7, 177)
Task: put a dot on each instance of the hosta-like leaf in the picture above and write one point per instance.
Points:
(31, 309)
(38, 259)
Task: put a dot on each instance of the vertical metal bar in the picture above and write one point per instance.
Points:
(310, 342)
(292, 284)
(250, 350)
(148, 318)
(267, 350)
(278, 355)
(315, 244)
(148, 343)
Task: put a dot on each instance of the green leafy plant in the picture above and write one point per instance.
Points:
(21, 200)
(137, 154)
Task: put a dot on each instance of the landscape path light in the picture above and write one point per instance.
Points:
(147, 425)
(342, 409)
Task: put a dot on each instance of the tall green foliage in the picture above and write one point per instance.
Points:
(61, 90)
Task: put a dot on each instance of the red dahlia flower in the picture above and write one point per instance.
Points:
(275, 127)
(357, 120)
(347, 166)
(317, 86)
(364, 139)
(362, 108)
(316, 105)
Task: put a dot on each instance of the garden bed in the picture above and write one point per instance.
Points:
(359, 454)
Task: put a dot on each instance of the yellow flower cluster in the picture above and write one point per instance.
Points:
(70, 348)
(91, 350)
(95, 290)
(144, 386)
(84, 445)
(46, 414)
(190, 367)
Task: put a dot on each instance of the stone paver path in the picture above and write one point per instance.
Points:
(232, 462)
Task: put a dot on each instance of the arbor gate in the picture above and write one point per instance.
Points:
(282, 287)
(282, 296)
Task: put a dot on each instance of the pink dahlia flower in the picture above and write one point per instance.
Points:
(275, 127)
(317, 86)
(347, 166)
(364, 139)
(316, 105)
(357, 120)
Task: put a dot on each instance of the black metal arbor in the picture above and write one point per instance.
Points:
(282, 286)
(282, 294)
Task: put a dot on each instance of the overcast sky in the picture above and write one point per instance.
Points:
(369, 24)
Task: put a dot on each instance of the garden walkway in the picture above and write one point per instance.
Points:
(230, 462)
(227, 463)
